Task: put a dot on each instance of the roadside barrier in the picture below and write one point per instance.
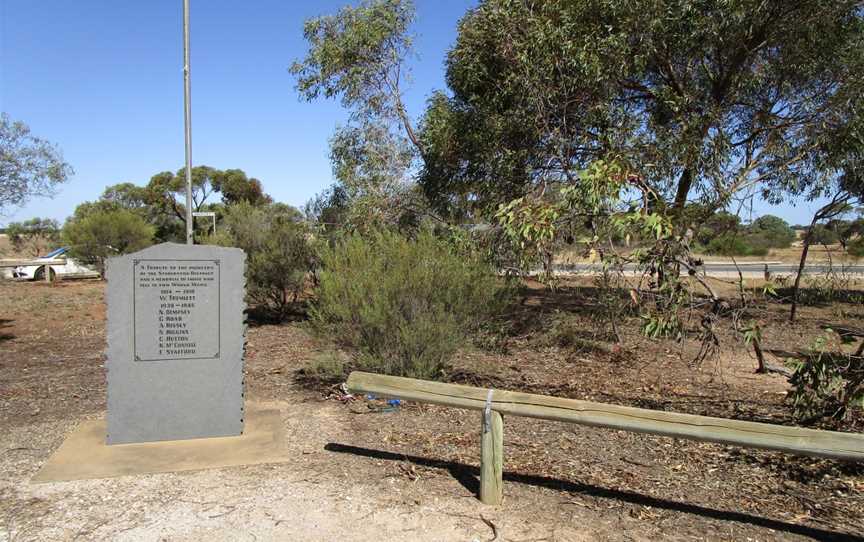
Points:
(494, 403)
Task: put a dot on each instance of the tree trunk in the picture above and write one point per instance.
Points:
(684, 184)
(832, 209)
(804, 249)
(760, 357)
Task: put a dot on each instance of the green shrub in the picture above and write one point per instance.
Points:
(772, 232)
(827, 384)
(328, 367)
(726, 245)
(856, 248)
(727, 239)
(823, 235)
(96, 235)
(713, 225)
(758, 244)
(737, 245)
(404, 305)
(279, 252)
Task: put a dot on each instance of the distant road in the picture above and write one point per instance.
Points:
(719, 269)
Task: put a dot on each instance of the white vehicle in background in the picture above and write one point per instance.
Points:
(68, 270)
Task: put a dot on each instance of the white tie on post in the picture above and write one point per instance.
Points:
(487, 413)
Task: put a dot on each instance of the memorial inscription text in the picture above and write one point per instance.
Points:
(176, 304)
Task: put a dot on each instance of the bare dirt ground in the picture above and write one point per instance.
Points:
(361, 473)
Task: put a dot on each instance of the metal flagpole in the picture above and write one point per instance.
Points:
(187, 110)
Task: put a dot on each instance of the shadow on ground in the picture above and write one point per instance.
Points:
(531, 314)
(4, 323)
(259, 315)
(820, 297)
(468, 476)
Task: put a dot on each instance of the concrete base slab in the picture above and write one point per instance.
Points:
(85, 455)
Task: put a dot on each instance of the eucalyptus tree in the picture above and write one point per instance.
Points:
(167, 190)
(126, 196)
(29, 165)
(360, 56)
(695, 100)
(842, 158)
(166, 196)
(623, 113)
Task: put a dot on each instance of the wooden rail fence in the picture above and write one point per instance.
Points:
(494, 403)
(31, 262)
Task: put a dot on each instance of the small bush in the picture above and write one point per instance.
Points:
(567, 332)
(758, 244)
(726, 245)
(404, 305)
(771, 232)
(855, 248)
(96, 236)
(279, 252)
(329, 367)
(737, 245)
(827, 385)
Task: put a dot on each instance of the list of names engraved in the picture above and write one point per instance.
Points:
(176, 304)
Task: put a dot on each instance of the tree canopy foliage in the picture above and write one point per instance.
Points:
(359, 56)
(696, 100)
(167, 191)
(723, 234)
(128, 217)
(95, 235)
(29, 166)
(278, 249)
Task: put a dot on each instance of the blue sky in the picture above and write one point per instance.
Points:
(103, 80)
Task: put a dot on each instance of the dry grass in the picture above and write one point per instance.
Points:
(792, 255)
(6, 250)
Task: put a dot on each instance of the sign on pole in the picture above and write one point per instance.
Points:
(211, 214)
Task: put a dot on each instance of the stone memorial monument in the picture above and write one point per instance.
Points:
(176, 336)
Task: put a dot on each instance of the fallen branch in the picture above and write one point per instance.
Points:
(844, 330)
(693, 272)
(813, 354)
(765, 367)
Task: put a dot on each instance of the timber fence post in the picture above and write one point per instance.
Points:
(491, 455)
(794, 440)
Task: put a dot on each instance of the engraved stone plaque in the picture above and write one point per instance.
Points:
(174, 303)
(176, 337)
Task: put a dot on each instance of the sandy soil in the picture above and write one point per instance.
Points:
(294, 501)
(360, 473)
